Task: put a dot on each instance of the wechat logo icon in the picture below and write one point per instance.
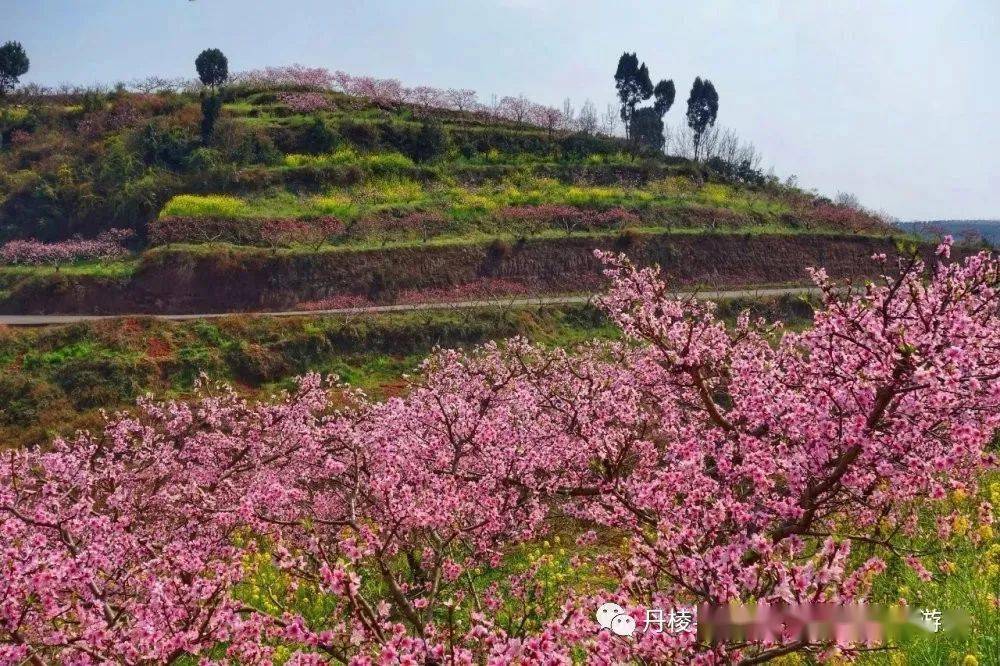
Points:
(614, 618)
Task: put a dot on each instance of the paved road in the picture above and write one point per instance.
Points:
(49, 320)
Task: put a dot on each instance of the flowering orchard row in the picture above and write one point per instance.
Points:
(339, 528)
(392, 91)
(421, 224)
(108, 245)
(381, 91)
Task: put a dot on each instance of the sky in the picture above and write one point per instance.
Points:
(896, 102)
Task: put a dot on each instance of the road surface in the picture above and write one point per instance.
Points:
(50, 320)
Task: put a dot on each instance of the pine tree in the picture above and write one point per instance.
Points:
(213, 67)
(14, 64)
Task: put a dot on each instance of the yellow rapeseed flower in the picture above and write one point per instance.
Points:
(960, 525)
(970, 660)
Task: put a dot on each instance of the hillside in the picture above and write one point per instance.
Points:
(295, 171)
(968, 230)
(471, 481)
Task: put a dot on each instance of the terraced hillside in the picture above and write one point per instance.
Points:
(297, 196)
(304, 198)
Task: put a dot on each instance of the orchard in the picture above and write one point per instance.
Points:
(722, 464)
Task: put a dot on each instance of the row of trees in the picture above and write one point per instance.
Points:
(644, 125)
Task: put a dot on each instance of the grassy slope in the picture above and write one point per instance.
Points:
(55, 379)
(125, 160)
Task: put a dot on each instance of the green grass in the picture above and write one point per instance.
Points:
(966, 578)
(68, 372)
(64, 366)
(106, 269)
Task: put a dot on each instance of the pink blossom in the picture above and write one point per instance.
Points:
(108, 245)
(304, 102)
(728, 458)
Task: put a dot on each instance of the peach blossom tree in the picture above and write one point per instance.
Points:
(737, 463)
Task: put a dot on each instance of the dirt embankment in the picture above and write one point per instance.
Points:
(175, 281)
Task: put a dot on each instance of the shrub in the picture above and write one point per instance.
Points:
(35, 208)
(627, 240)
(190, 361)
(614, 218)
(242, 144)
(484, 139)
(211, 106)
(364, 136)
(703, 216)
(117, 164)
(124, 113)
(429, 143)
(419, 224)
(246, 231)
(384, 287)
(386, 164)
(102, 380)
(581, 145)
(164, 144)
(319, 138)
(186, 229)
(19, 137)
(499, 249)
(832, 215)
(139, 199)
(23, 401)
(255, 363)
(421, 143)
(204, 159)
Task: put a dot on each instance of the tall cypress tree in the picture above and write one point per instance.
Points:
(633, 84)
(703, 108)
(647, 129)
(663, 97)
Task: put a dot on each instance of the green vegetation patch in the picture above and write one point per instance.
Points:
(54, 379)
